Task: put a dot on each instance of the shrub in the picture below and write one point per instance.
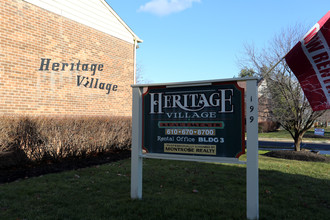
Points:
(268, 126)
(38, 139)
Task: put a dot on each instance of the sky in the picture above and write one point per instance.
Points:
(191, 40)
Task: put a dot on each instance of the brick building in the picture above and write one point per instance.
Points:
(65, 58)
(324, 120)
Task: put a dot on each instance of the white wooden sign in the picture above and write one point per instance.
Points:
(200, 138)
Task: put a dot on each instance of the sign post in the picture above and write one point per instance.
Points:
(197, 121)
(252, 174)
(136, 159)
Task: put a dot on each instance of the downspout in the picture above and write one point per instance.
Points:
(134, 58)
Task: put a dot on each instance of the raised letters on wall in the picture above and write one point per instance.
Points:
(87, 82)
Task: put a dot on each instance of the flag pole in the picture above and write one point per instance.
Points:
(273, 67)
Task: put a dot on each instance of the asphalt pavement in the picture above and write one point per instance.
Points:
(324, 146)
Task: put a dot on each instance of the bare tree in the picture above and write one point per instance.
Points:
(139, 75)
(286, 100)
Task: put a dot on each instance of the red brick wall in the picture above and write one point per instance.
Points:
(28, 34)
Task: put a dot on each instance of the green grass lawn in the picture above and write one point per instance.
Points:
(172, 190)
(309, 135)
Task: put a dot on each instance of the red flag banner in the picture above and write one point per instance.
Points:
(309, 60)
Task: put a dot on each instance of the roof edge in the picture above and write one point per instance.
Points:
(136, 38)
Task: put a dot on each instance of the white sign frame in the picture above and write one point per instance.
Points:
(252, 173)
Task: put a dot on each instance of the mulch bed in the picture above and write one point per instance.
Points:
(31, 170)
(304, 155)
